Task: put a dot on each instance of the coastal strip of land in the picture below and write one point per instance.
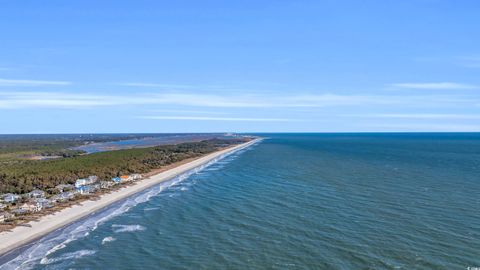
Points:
(22, 235)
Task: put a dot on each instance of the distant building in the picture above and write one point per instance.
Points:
(64, 187)
(136, 176)
(86, 181)
(81, 182)
(87, 189)
(19, 211)
(10, 197)
(36, 194)
(126, 178)
(106, 184)
(29, 207)
(42, 203)
(5, 216)
(63, 197)
(117, 180)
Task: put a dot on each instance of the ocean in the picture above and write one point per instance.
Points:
(293, 201)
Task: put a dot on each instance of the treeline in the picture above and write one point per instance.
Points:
(50, 145)
(45, 174)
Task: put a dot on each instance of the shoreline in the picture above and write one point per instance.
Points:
(22, 235)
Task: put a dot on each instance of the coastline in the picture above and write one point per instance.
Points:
(22, 235)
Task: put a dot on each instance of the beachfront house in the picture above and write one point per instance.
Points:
(63, 197)
(126, 178)
(10, 197)
(106, 184)
(81, 182)
(64, 187)
(19, 211)
(42, 203)
(87, 189)
(28, 207)
(136, 176)
(36, 194)
(86, 181)
(5, 216)
(116, 180)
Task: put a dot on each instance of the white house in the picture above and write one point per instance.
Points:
(64, 187)
(36, 194)
(86, 181)
(29, 207)
(10, 197)
(81, 182)
(106, 184)
(136, 176)
(87, 189)
(43, 203)
(63, 197)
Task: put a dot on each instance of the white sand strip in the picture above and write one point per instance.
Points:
(21, 235)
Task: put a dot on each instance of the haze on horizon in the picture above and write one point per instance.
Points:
(240, 66)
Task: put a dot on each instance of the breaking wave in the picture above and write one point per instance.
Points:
(108, 239)
(68, 256)
(127, 228)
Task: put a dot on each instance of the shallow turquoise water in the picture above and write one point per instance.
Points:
(295, 201)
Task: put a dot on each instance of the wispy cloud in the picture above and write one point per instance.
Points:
(472, 61)
(417, 116)
(154, 85)
(466, 61)
(21, 99)
(9, 82)
(409, 127)
(228, 119)
(178, 111)
(434, 86)
(18, 100)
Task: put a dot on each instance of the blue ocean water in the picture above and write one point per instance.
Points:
(294, 201)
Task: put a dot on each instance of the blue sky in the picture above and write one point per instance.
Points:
(241, 66)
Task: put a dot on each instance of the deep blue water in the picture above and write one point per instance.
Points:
(295, 201)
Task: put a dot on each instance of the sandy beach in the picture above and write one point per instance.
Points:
(22, 235)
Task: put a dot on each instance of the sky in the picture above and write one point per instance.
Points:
(116, 66)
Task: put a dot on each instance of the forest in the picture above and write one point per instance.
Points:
(17, 147)
(24, 176)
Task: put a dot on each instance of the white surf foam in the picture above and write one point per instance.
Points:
(118, 228)
(151, 209)
(108, 239)
(68, 256)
